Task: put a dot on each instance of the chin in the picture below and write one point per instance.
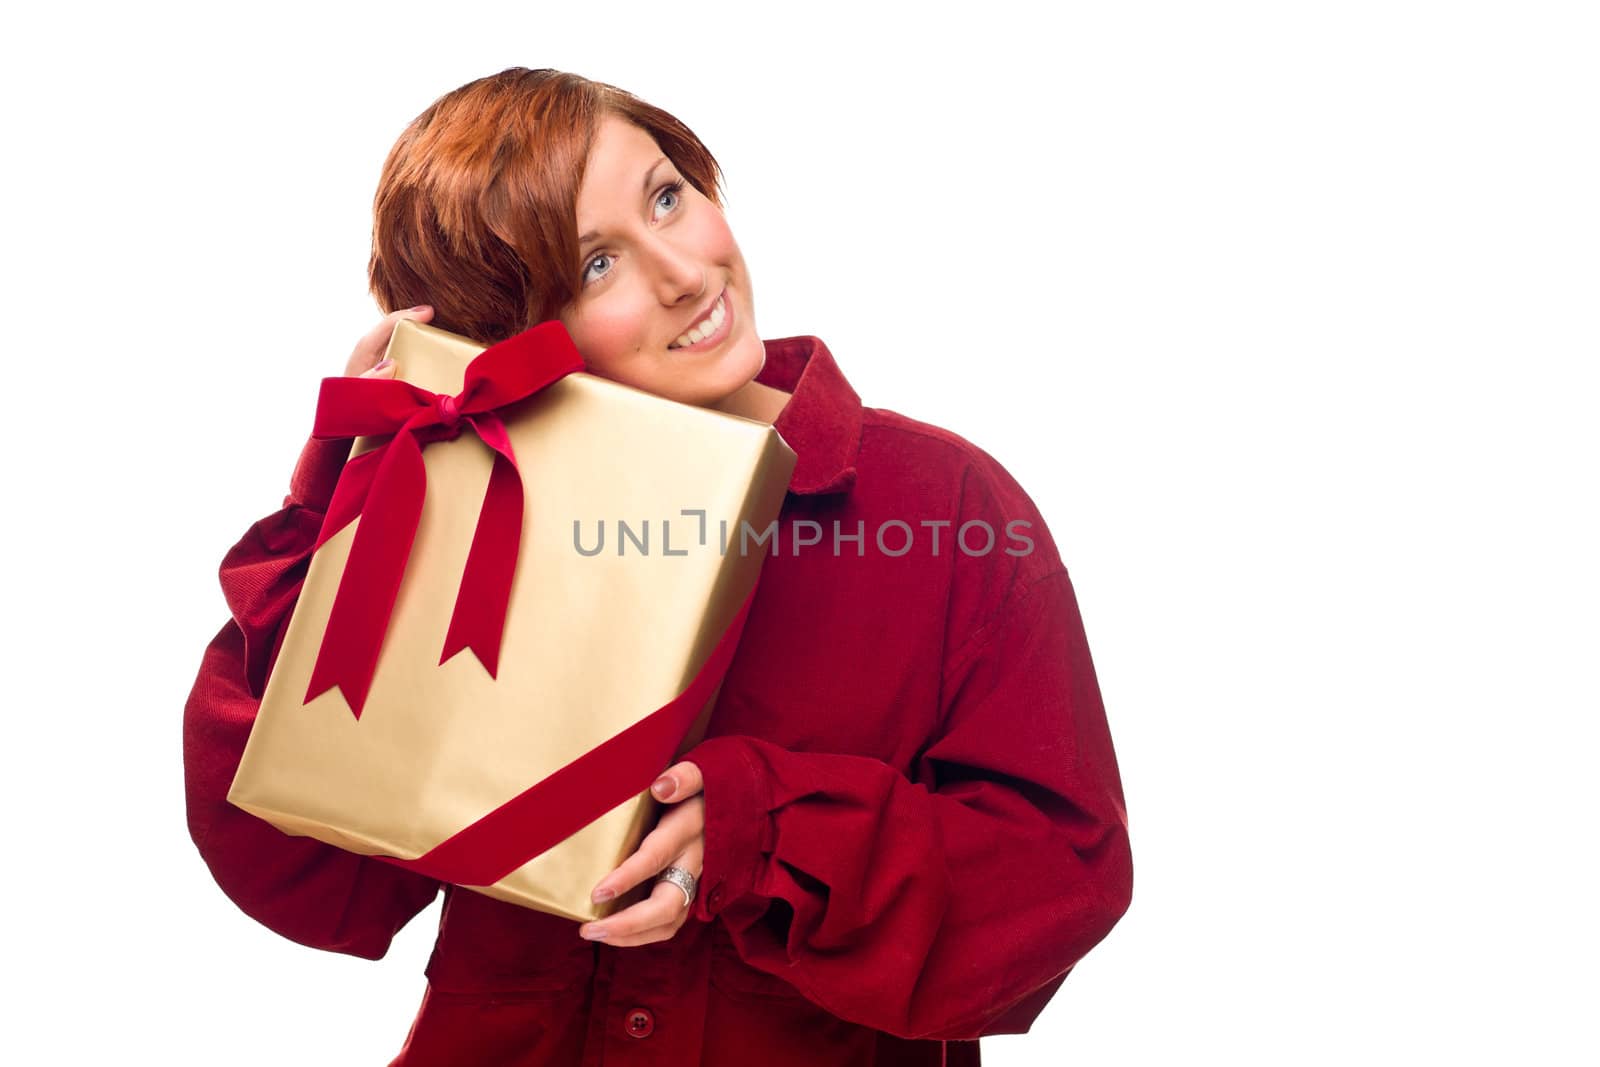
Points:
(708, 385)
(742, 366)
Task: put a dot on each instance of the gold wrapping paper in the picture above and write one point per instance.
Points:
(592, 644)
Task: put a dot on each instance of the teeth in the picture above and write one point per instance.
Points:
(708, 326)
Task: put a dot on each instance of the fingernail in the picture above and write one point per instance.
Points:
(664, 786)
(593, 933)
(603, 895)
(385, 362)
(420, 307)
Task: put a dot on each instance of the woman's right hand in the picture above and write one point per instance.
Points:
(367, 360)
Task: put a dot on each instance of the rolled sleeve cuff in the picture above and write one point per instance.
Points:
(317, 472)
(739, 827)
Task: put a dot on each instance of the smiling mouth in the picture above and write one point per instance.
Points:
(710, 326)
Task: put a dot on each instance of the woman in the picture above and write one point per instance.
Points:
(905, 824)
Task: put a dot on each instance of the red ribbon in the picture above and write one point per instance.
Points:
(558, 806)
(386, 486)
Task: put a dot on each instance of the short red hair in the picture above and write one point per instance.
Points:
(476, 209)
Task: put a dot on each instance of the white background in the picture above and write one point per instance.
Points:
(1284, 313)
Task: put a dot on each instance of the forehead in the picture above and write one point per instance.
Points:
(620, 157)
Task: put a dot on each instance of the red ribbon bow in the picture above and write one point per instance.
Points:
(386, 486)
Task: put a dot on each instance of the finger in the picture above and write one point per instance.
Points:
(680, 833)
(683, 781)
(656, 918)
(382, 370)
(369, 350)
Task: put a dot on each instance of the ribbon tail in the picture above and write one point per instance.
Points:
(362, 607)
(560, 805)
(479, 619)
(349, 494)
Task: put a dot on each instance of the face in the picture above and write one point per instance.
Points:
(665, 303)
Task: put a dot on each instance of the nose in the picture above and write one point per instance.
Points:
(679, 275)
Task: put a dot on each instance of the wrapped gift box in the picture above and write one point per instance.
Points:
(593, 642)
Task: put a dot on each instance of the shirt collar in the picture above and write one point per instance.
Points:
(821, 421)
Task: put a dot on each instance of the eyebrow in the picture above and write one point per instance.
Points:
(649, 176)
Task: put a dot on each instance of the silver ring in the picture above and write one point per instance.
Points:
(683, 880)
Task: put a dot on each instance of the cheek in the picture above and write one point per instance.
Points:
(715, 238)
(607, 333)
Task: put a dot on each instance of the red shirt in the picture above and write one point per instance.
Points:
(914, 820)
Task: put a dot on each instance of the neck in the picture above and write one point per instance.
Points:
(754, 401)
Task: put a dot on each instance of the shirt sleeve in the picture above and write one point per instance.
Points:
(949, 906)
(307, 891)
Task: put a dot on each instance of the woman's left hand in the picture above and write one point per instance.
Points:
(679, 840)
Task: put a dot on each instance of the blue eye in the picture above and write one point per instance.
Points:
(671, 192)
(588, 271)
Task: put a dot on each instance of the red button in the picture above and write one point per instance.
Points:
(640, 1023)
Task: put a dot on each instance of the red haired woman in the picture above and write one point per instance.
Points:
(905, 824)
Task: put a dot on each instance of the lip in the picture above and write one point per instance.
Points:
(715, 339)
